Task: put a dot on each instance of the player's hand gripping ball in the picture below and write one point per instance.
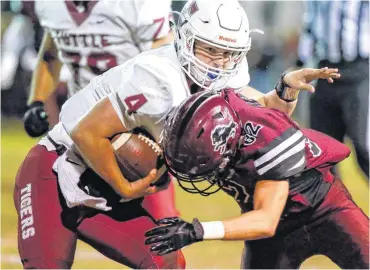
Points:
(137, 155)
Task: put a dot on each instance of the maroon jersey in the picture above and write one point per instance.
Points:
(274, 147)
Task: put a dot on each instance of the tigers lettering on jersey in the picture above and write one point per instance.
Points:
(26, 213)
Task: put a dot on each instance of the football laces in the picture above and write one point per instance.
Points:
(157, 149)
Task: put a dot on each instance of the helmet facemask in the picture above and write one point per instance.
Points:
(206, 183)
(200, 143)
(206, 76)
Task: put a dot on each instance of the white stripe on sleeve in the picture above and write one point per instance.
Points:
(278, 149)
(283, 157)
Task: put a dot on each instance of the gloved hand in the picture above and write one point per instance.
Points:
(174, 235)
(35, 120)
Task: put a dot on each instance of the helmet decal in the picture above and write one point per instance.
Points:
(227, 39)
(221, 134)
(200, 142)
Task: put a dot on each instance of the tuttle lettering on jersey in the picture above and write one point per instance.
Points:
(63, 38)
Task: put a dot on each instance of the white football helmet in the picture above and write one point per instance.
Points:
(220, 23)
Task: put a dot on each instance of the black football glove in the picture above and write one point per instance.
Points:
(174, 235)
(35, 120)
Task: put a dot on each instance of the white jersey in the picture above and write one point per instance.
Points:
(149, 85)
(105, 34)
(142, 91)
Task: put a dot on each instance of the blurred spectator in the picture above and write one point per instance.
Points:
(17, 47)
(336, 34)
(270, 52)
(20, 42)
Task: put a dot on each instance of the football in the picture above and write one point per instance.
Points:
(137, 155)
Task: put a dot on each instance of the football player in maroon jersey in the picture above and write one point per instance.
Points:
(293, 207)
(56, 207)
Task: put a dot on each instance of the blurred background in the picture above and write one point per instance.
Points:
(280, 48)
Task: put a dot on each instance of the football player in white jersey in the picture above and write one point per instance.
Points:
(210, 51)
(90, 37)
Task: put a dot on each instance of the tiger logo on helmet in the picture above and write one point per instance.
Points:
(200, 139)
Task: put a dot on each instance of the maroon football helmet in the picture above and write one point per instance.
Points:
(200, 140)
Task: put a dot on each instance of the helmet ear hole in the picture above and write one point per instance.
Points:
(200, 133)
(218, 115)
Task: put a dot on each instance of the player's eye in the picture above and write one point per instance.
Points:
(227, 54)
(211, 50)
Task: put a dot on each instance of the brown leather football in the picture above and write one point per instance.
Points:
(137, 155)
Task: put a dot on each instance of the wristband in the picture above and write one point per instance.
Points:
(36, 103)
(213, 230)
(284, 91)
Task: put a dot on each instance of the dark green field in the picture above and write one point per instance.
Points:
(213, 254)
